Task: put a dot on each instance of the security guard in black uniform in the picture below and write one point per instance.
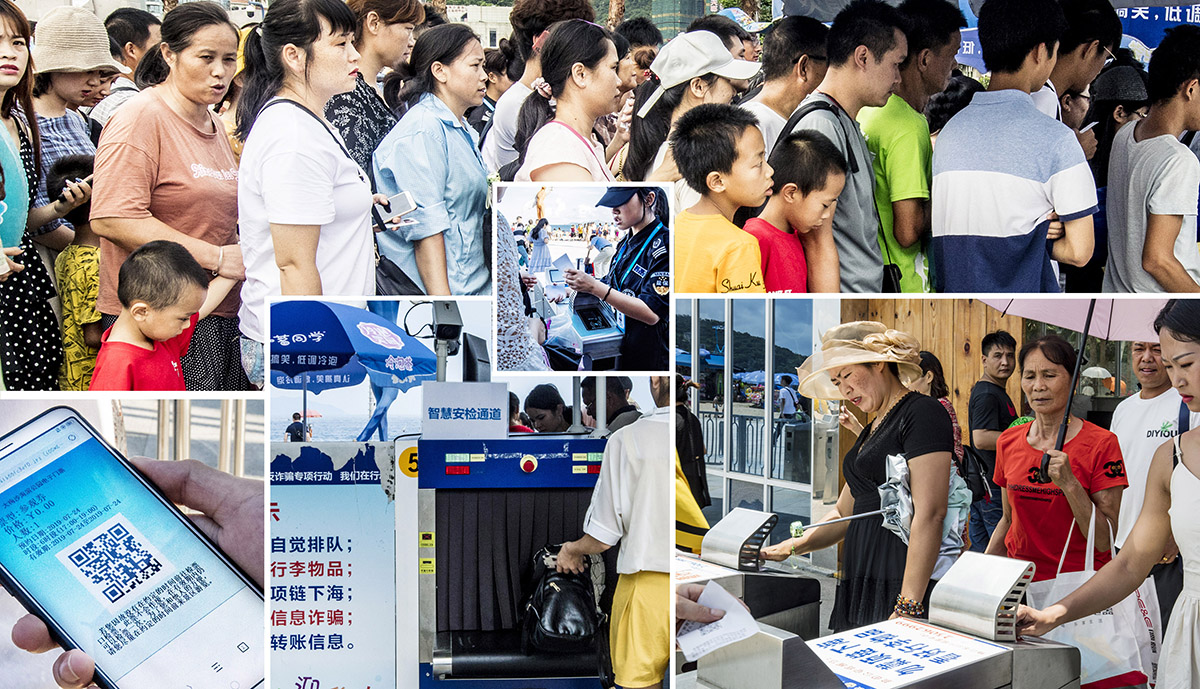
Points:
(638, 283)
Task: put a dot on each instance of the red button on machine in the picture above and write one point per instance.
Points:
(529, 464)
(457, 470)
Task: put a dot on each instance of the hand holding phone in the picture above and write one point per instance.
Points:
(117, 572)
(395, 207)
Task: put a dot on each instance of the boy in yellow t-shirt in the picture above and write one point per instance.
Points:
(720, 153)
(77, 270)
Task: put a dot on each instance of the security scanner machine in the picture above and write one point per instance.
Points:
(969, 641)
(595, 324)
(485, 507)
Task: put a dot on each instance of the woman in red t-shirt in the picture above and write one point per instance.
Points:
(1088, 473)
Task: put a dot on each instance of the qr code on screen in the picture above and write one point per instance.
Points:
(114, 560)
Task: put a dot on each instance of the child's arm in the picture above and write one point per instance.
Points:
(821, 255)
(218, 289)
(92, 332)
(1077, 244)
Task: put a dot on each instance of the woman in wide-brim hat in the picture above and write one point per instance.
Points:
(869, 365)
(73, 66)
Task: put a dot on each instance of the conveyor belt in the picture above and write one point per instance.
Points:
(485, 544)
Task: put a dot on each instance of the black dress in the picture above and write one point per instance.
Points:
(32, 343)
(874, 558)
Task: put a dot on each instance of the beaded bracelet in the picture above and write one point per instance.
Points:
(909, 607)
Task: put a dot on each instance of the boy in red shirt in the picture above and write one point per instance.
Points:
(795, 228)
(163, 292)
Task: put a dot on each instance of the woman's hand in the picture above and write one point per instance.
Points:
(569, 559)
(782, 550)
(581, 281)
(74, 194)
(1034, 622)
(13, 266)
(849, 421)
(1060, 469)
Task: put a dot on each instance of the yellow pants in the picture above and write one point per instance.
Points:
(640, 632)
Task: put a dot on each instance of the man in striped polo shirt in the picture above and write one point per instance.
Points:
(1003, 172)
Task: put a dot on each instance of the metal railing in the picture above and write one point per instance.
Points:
(747, 447)
(175, 433)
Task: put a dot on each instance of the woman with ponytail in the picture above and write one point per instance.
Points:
(304, 204)
(433, 153)
(580, 83)
(164, 155)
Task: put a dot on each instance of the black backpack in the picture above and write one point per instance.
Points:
(561, 614)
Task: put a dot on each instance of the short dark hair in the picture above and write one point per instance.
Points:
(1174, 62)
(130, 25)
(70, 167)
(937, 388)
(640, 31)
(705, 140)
(1182, 318)
(1010, 29)
(872, 23)
(613, 385)
(544, 396)
(930, 24)
(1054, 348)
(514, 404)
(1087, 21)
(1000, 338)
(788, 40)
(157, 273)
(296, 416)
(725, 28)
(805, 158)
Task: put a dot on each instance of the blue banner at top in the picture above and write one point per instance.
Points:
(1148, 24)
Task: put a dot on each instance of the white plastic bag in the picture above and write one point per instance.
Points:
(1118, 646)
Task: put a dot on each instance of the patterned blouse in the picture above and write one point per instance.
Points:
(362, 118)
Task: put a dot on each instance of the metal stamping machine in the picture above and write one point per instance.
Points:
(969, 641)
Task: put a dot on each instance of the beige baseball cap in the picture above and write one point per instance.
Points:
(694, 54)
(72, 39)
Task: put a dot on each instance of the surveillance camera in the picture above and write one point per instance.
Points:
(447, 321)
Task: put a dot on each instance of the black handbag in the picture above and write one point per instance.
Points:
(561, 614)
(974, 473)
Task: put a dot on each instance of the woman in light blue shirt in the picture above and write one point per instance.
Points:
(433, 153)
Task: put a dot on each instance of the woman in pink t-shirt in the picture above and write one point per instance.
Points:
(580, 83)
(164, 157)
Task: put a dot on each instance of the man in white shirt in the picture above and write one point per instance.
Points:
(1142, 423)
(633, 500)
(794, 63)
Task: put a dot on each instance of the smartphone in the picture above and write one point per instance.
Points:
(63, 196)
(93, 548)
(397, 205)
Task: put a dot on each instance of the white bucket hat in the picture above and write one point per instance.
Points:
(72, 39)
(694, 54)
(860, 342)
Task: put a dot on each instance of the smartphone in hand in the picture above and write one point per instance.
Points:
(97, 552)
(396, 206)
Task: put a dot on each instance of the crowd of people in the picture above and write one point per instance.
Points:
(826, 177)
(1119, 480)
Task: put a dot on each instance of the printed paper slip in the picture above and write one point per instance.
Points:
(564, 263)
(697, 639)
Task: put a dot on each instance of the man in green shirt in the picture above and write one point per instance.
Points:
(898, 137)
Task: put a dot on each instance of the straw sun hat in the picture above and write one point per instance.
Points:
(860, 342)
(72, 39)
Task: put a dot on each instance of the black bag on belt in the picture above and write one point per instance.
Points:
(561, 615)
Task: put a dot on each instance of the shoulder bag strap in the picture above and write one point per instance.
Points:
(370, 173)
(813, 106)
